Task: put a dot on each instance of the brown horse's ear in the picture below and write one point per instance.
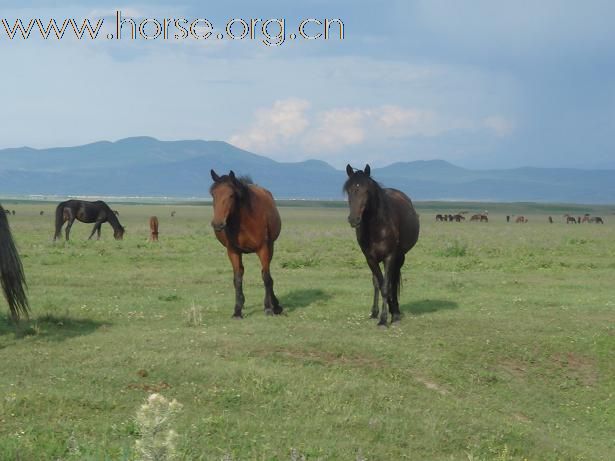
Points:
(349, 170)
(367, 170)
(214, 176)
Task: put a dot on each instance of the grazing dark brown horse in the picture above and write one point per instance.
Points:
(570, 219)
(521, 219)
(246, 220)
(439, 217)
(596, 219)
(11, 272)
(459, 217)
(550, 220)
(387, 227)
(153, 228)
(88, 212)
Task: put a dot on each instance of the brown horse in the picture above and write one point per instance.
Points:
(153, 228)
(521, 219)
(12, 276)
(387, 227)
(570, 219)
(550, 220)
(246, 220)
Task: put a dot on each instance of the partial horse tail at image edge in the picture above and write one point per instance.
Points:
(12, 276)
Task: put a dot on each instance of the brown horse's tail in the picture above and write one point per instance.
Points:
(12, 276)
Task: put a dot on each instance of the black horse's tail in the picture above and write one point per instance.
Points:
(11, 271)
(59, 220)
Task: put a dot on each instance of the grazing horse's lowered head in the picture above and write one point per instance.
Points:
(118, 233)
(361, 189)
(228, 194)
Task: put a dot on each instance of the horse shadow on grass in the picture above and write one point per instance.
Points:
(298, 299)
(51, 327)
(427, 306)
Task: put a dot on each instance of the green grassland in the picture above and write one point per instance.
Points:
(506, 350)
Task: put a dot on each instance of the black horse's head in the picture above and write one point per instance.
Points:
(358, 188)
(118, 233)
(228, 192)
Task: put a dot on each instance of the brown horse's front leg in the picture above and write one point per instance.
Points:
(272, 305)
(237, 282)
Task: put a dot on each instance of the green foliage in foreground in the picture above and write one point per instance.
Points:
(505, 351)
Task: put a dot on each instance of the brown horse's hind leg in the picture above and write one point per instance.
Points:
(237, 264)
(272, 305)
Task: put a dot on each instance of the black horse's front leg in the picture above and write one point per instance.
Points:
(94, 229)
(379, 286)
(237, 263)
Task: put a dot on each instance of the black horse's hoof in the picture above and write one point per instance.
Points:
(237, 316)
(269, 311)
(396, 318)
(278, 310)
(374, 315)
(383, 326)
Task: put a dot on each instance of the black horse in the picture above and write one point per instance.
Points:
(387, 227)
(88, 212)
(11, 271)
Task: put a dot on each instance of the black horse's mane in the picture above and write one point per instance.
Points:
(375, 191)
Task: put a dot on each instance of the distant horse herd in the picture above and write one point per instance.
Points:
(246, 220)
(483, 217)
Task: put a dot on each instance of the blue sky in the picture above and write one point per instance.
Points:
(482, 84)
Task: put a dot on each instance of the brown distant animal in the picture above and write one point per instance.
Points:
(507, 218)
(172, 214)
(41, 213)
(570, 219)
(459, 217)
(13, 212)
(246, 220)
(484, 218)
(579, 220)
(475, 217)
(439, 217)
(597, 220)
(550, 220)
(153, 228)
(521, 219)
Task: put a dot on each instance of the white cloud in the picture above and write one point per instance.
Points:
(289, 126)
(500, 125)
(274, 126)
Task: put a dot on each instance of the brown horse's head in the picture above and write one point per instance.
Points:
(358, 187)
(228, 192)
(118, 233)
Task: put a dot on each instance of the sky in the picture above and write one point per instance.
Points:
(482, 84)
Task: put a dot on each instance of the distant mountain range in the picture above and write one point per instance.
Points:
(145, 166)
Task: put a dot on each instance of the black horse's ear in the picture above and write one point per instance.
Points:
(349, 170)
(214, 176)
(232, 175)
(367, 170)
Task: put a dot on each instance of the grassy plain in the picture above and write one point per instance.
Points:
(506, 350)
